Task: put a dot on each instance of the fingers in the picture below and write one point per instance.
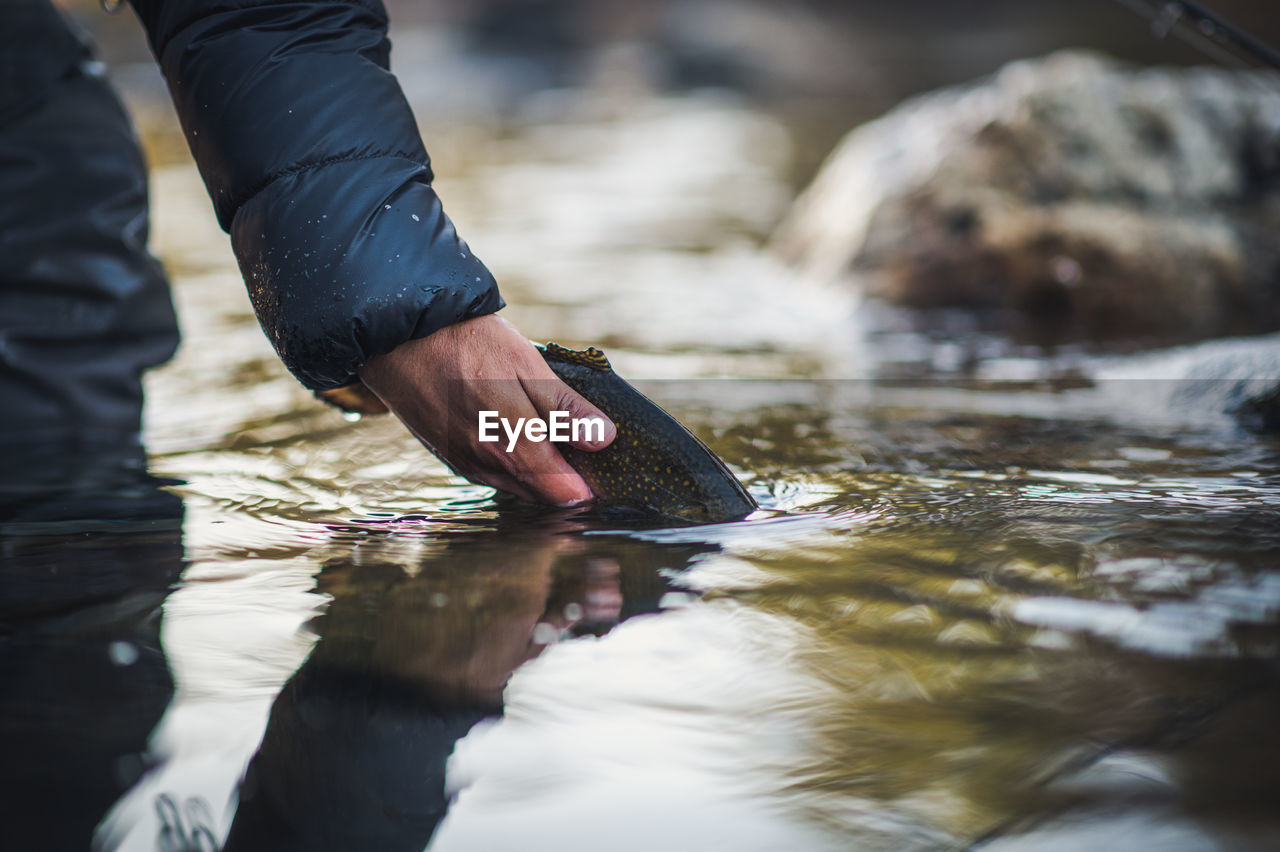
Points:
(545, 475)
(533, 471)
(554, 489)
(593, 430)
(499, 371)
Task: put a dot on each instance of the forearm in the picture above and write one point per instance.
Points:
(315, 167)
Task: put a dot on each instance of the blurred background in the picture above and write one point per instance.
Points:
(624, 169)
(822, 65)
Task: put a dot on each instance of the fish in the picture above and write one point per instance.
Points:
(654, 465)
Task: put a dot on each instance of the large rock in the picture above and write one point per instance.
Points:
(1204, 384)
(1090, 198)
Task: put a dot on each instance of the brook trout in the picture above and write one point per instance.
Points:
(654, 464)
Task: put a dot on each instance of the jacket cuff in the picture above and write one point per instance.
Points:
(348, 260)
(315, 166)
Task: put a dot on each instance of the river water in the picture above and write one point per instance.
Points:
(1007, 612)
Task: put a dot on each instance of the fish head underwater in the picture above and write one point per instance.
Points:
(655, 465)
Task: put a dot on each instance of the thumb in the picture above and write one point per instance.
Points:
(590, 429)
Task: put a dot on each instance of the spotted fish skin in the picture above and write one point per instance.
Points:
(654, 464)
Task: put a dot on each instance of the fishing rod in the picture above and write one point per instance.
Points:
(1206, 31)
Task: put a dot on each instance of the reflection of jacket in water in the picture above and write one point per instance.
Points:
(356, 748)
(350, 761)
(310, 155)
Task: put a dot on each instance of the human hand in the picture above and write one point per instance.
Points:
(437, 386)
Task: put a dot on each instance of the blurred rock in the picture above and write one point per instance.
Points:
(1072, 196)
(1236, 380)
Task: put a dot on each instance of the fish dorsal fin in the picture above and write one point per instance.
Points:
(590, 357)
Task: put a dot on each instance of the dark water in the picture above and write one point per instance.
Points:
(1003, 615)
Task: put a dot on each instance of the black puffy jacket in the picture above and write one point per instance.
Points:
(316, 169)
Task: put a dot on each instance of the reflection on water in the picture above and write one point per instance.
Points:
(89, 548)
(943, 628)
(1010, 615)
(408, 659)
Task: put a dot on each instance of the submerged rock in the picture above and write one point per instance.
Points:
(1068, 194)
(1206, 384)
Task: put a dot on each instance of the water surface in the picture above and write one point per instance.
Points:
(996, 614)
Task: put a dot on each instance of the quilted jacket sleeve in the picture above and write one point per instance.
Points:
(316, 169)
